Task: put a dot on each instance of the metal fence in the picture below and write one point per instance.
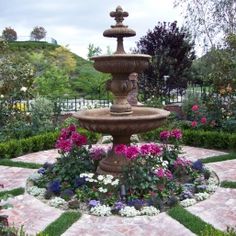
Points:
(62, 105)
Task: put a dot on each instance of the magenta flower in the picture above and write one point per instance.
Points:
(182, 162)
(132, 152)
(72, 128)
(82, 140)
(154, 149)
(164, 135)
(195, 108)
(120, 149)
(160, 173)
(176, 133)
(64, 145)
(145, 149)
(203, 120)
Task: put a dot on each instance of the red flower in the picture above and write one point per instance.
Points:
(203, 120)
(194, 123)
(195, 108)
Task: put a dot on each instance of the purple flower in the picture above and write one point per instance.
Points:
(80, 181)
(55, 186)
(97, 153)
(197, 165)
(93, 203)
(164, 135)
(41, 170)
(67, 194)
(119, 205)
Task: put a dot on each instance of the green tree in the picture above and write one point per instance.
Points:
(53, 83)
(93, 50)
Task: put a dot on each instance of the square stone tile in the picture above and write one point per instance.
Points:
(30, 212)
(219, 210)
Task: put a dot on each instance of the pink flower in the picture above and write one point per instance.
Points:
(195, 108)
(194, 123)
(176, 133)
(152, 149)
(168, 174)
(203, 120)
(120, 149)
(160, 173)
(64, 145)
(132, 152)
(182, 162)
(164, 135)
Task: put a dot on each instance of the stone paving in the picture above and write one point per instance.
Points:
(161, 224)
(219, 209)
(13, 177)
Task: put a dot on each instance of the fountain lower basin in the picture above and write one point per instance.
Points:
(141, 120)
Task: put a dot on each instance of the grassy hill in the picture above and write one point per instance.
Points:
(58, 71)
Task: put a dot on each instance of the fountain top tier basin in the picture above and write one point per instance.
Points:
(141, 120)
(121, 63)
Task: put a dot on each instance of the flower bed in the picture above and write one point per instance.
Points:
(157, 177)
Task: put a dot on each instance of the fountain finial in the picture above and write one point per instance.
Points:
(119, 15)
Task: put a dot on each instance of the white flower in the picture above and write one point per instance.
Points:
(211, 188)
(57, 201)
(201, 196)
(129, 211)
(115, 182)
(35, 177)
(35, 191)
(109, 176)
(1, 96)
(102, 190)
(101, 210)
(188, 202)
(150, 211)
(23, 89)
(107, 181)
(90, 175)
(100, 177)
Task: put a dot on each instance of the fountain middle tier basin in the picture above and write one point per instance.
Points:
(121, 63)
(141, 120)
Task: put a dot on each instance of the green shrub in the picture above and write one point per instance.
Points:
(14, 148)
(200, 138)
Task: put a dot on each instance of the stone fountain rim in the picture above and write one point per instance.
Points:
(160, 114)
(126, 55)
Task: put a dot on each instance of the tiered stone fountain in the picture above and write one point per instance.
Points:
(121, 120)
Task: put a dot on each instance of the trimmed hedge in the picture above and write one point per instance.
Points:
(15, 148)
(200, 138)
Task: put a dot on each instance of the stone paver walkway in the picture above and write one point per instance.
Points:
(30, 212)
(225, 170)
(219, 209)
(119, 226)
(13, 177)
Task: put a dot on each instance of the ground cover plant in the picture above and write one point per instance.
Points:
(156, 178)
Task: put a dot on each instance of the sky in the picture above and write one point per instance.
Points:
(77, 23)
